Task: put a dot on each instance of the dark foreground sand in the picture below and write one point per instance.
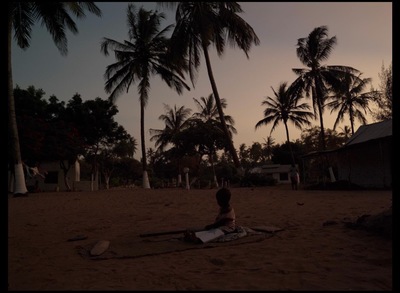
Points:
(306, 255)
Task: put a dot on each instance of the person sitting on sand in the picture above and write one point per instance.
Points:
(225, 220)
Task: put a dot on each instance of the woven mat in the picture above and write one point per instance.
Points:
(135, 247)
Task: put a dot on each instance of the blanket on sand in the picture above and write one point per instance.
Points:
(135, 247)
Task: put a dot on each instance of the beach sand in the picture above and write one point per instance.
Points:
(315, 250)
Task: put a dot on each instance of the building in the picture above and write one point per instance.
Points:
(276, 171)
(49, 176)
(365, 159)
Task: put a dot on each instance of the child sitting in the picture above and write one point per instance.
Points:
(225, 220)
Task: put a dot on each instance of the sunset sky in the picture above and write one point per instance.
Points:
(364, 41)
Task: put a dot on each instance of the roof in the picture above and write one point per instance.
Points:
(370, 132)
(363, 134)
(317, 153)
(270, 169)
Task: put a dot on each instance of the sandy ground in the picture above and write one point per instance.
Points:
(306, 255)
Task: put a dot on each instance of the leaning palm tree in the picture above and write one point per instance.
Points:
(284, 107)
(176, 120)
(143, 56)
(201, 24)
(21, 17)
(349, 98)
(311, 51)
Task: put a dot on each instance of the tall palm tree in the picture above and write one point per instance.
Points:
(283, 108)
(21, 17)
(144, 55)
(349, 97)
(311, 51)
(201, 24)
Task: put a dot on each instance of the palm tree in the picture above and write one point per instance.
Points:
(268, 145)
(284, 107)
(144, 55)
(176, 120)
(311, 51)
(208, 111)
(349, 98)
(345, 133)
(200, 24)
(208, 114)
(21, 17)
(243, 155)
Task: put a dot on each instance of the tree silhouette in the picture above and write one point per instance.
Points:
(55, 16)
(314, 79)
(201, 24)
(140, 58)
(349, 98)
(284, 108)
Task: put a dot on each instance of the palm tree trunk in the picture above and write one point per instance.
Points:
(107, 181)
(213, 169)
(145, 180)
(288, 142)
(351, 121)
(179, 172)
(321, 120)
(219, 107)
(65, 174)
(19, 177)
